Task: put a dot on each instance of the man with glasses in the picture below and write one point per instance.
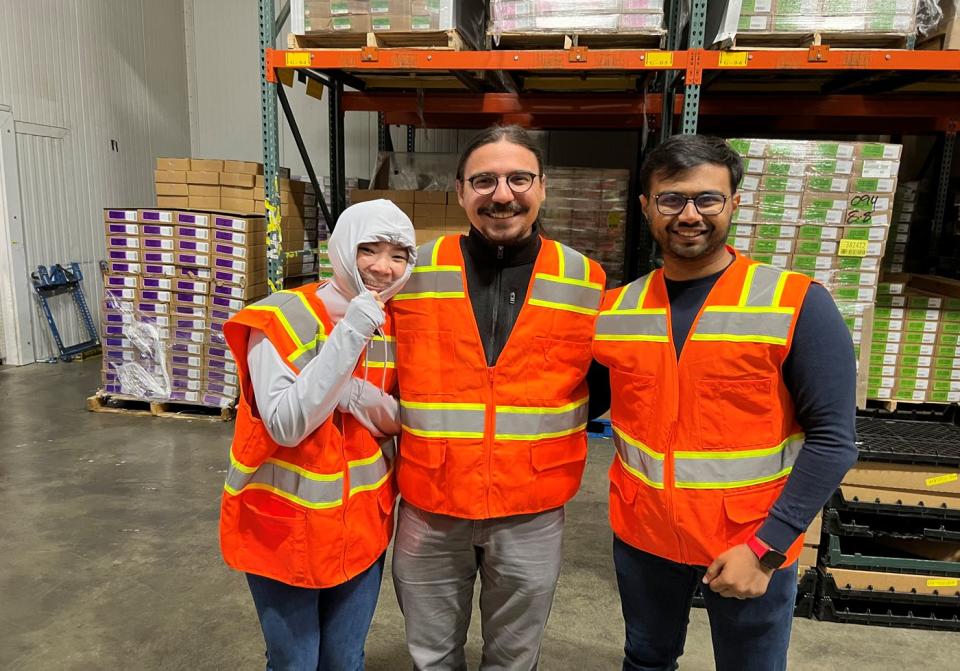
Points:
(733, 404)
(494, 335)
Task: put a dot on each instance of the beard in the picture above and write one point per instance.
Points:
(503, 224)
(672, 241)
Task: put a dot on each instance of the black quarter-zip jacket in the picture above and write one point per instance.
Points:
(497, 281)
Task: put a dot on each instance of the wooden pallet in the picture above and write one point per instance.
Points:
(789, 40)
(431, 39)
(654, 39)
(891, 405)
(128, 405)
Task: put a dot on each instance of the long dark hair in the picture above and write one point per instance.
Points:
(513, 134)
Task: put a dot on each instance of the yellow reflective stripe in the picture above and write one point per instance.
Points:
(562, 306)
(586, 271)
(739, 454)
(282, 318)
(308, 307)
(306, 347)
(737, 483)
(637, 444)
(380, 364)
(539, 436)
(436, 269)
(637, 311)
(419, 405)
(781, 283)
(645, 290)
(729, 337)
(435, 252)
(561, 262)
(442, 434)
(429, 294)
(747, 283)
(632, 338)
(637, 474)
(527, 410)
(286, 495)
(372, 486)
(750, 309)
(567, 280)
(366, 460)
(309, 475)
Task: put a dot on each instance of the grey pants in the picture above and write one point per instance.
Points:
(435, 564)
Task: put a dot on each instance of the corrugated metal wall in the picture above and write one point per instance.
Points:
(98, 90)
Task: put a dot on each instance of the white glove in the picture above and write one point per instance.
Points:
(364, 314)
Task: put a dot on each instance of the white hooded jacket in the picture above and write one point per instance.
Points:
(293, 406)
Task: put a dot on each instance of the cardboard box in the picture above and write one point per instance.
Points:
(180, 164)
(192, 246)
(120, 282)
(240, 205)
(156, 283)
(238, 180)
(192, 259)
(238, 192)
(157, 244)
(429, 216)
(155, 216)
(154, 257)
(123, 242)
(203, 177)
(236, 265)
(430, 197)
(243, 167)
(174, 176)
(238, 251)
(159, 269)
(172, 202)
(118, 228)
(246, 293)
(239, 277)
(205, 202)
(206, 165)
(203, 190)
(193, 233)
(171, 189)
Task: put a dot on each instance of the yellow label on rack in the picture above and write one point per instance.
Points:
(943, 582)
(942, 479)
(850, 247)
(298, 59)
(733, 59)
(659, 59)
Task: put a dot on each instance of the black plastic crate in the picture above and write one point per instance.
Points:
(946, 597)
(939, 515)
(907, 615)
(872, 524)
(866, 555)
(881, 438)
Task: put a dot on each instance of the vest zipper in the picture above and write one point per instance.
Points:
(669, 480)
(489, 430)
(495, 317)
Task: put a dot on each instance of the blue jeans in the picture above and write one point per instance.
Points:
(311, 629)
(655, 595)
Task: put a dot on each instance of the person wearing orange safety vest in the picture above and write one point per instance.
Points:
(493, 350)
(307, 507)
(733, 421)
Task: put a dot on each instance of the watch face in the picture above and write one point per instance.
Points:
(773, 559)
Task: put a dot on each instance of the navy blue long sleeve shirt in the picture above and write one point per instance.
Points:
(820, 373)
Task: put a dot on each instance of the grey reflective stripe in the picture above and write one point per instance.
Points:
(388, 446)
(515, 423)
(764, 285)
(744, 325)
(310, 492)
(725, 470)
(380, 352)
(639, 462)
(302, 360)
(305, 326)
(427, 281)
(561, 293)
(632, 326)
(630, 298)
(368, 476)
(442, 422)
(425, 251)
(575, 265)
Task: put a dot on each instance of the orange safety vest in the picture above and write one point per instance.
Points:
(704, 444)
(481, 442)
(320, 513)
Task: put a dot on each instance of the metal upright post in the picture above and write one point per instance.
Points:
(411, 138)
(338, 196)
(669, 78)
(943, 188)
(691, 92)
(271, 151)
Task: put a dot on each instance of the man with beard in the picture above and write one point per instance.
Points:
(494, 405)
(733, 404)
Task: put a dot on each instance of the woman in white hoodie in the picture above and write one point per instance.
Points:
(307, 507)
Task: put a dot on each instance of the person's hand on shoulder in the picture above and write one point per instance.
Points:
(365, 313)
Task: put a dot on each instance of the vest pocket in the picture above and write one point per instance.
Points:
(429, 453)
(735, 413)
(547, 454)
(633, 399)
(556, 366)
(272, 536)
(745, 509)
(424, 361)
(623, 485)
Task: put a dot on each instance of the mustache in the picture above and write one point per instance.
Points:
(513, 207)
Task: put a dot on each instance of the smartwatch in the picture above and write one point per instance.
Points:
(768, 557)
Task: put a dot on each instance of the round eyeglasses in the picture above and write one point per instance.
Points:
(706, 203)
(486, 183)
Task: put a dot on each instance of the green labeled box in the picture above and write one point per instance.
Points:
(808, 232)
(914, 373)
(786, 169)
(915, 326)
(945, 385)
(909, 361)
(828, 183)
(946, 375)
(774, 231)
(768, 246)
(923, 315)
(943, 396)
(919, 337)
(816, 247)
(803, 262)
(874, 185)
(886, 325)
(950, 328)
(889, 313)
(858, 263)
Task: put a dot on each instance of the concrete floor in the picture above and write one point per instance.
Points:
(110, 560)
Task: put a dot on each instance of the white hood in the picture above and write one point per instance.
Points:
(371, 221)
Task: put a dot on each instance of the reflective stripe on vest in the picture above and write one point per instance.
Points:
(626, 321)
(756, 318)
(639, 459)
(467, 420)
(570, 289)
(713, 469)
(381, 352)
(432, 281)
(306, 488)
(300, 322)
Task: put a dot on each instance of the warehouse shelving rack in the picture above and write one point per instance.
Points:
(818, 88)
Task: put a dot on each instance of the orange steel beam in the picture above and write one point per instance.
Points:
(501, 103)
(825, 58)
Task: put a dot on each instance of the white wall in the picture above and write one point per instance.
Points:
(98, 90)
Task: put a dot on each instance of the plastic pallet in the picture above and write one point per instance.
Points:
(865, 524)
(834, 555)
(908, 441)
(912, 616)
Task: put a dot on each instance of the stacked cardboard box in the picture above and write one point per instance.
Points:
(804, 16)
(907, 210)
(823, 209)
(576, 16)
(174, 278)
(915, 355)
(586, 209)
(433, 213)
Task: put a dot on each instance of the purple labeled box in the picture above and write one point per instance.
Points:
(118, 355)
(109, 376)
(217, 401)
(116, 318)
(221, 377)
(153, 295)
(153, 308)
(219, 352)
(186, 360)
(121, 268)
(183, 396)
(222, 365)
(124, 294)
(159, 269)
(188, 336)
(156, 216)
(192, 286)
(114, 306)
(229, 236)
(184, 372)
(117, 343)
(193, 259)
(123, 255)
(190, 311)
(120, 215)
(117, 228)
(193, 324)
(158, 244)
(188, 385)
(194, 273)
(158, 257)
(196, 246)
(192, 299)
(221, 389)
(157, 283)
(156, 319)
(113, 388)
(217, 339)
(193, 219)
(226, 303)
(192, 349)
(238, 224)
(227, 291)
(156, 230)
(230, 277)
(238, 251)
(193, 232)
(113, 331)
(230, 264)
(120, 282)
(123, 242)
(220, 315)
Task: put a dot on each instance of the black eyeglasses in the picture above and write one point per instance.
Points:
(486, 183)
(706, 203)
